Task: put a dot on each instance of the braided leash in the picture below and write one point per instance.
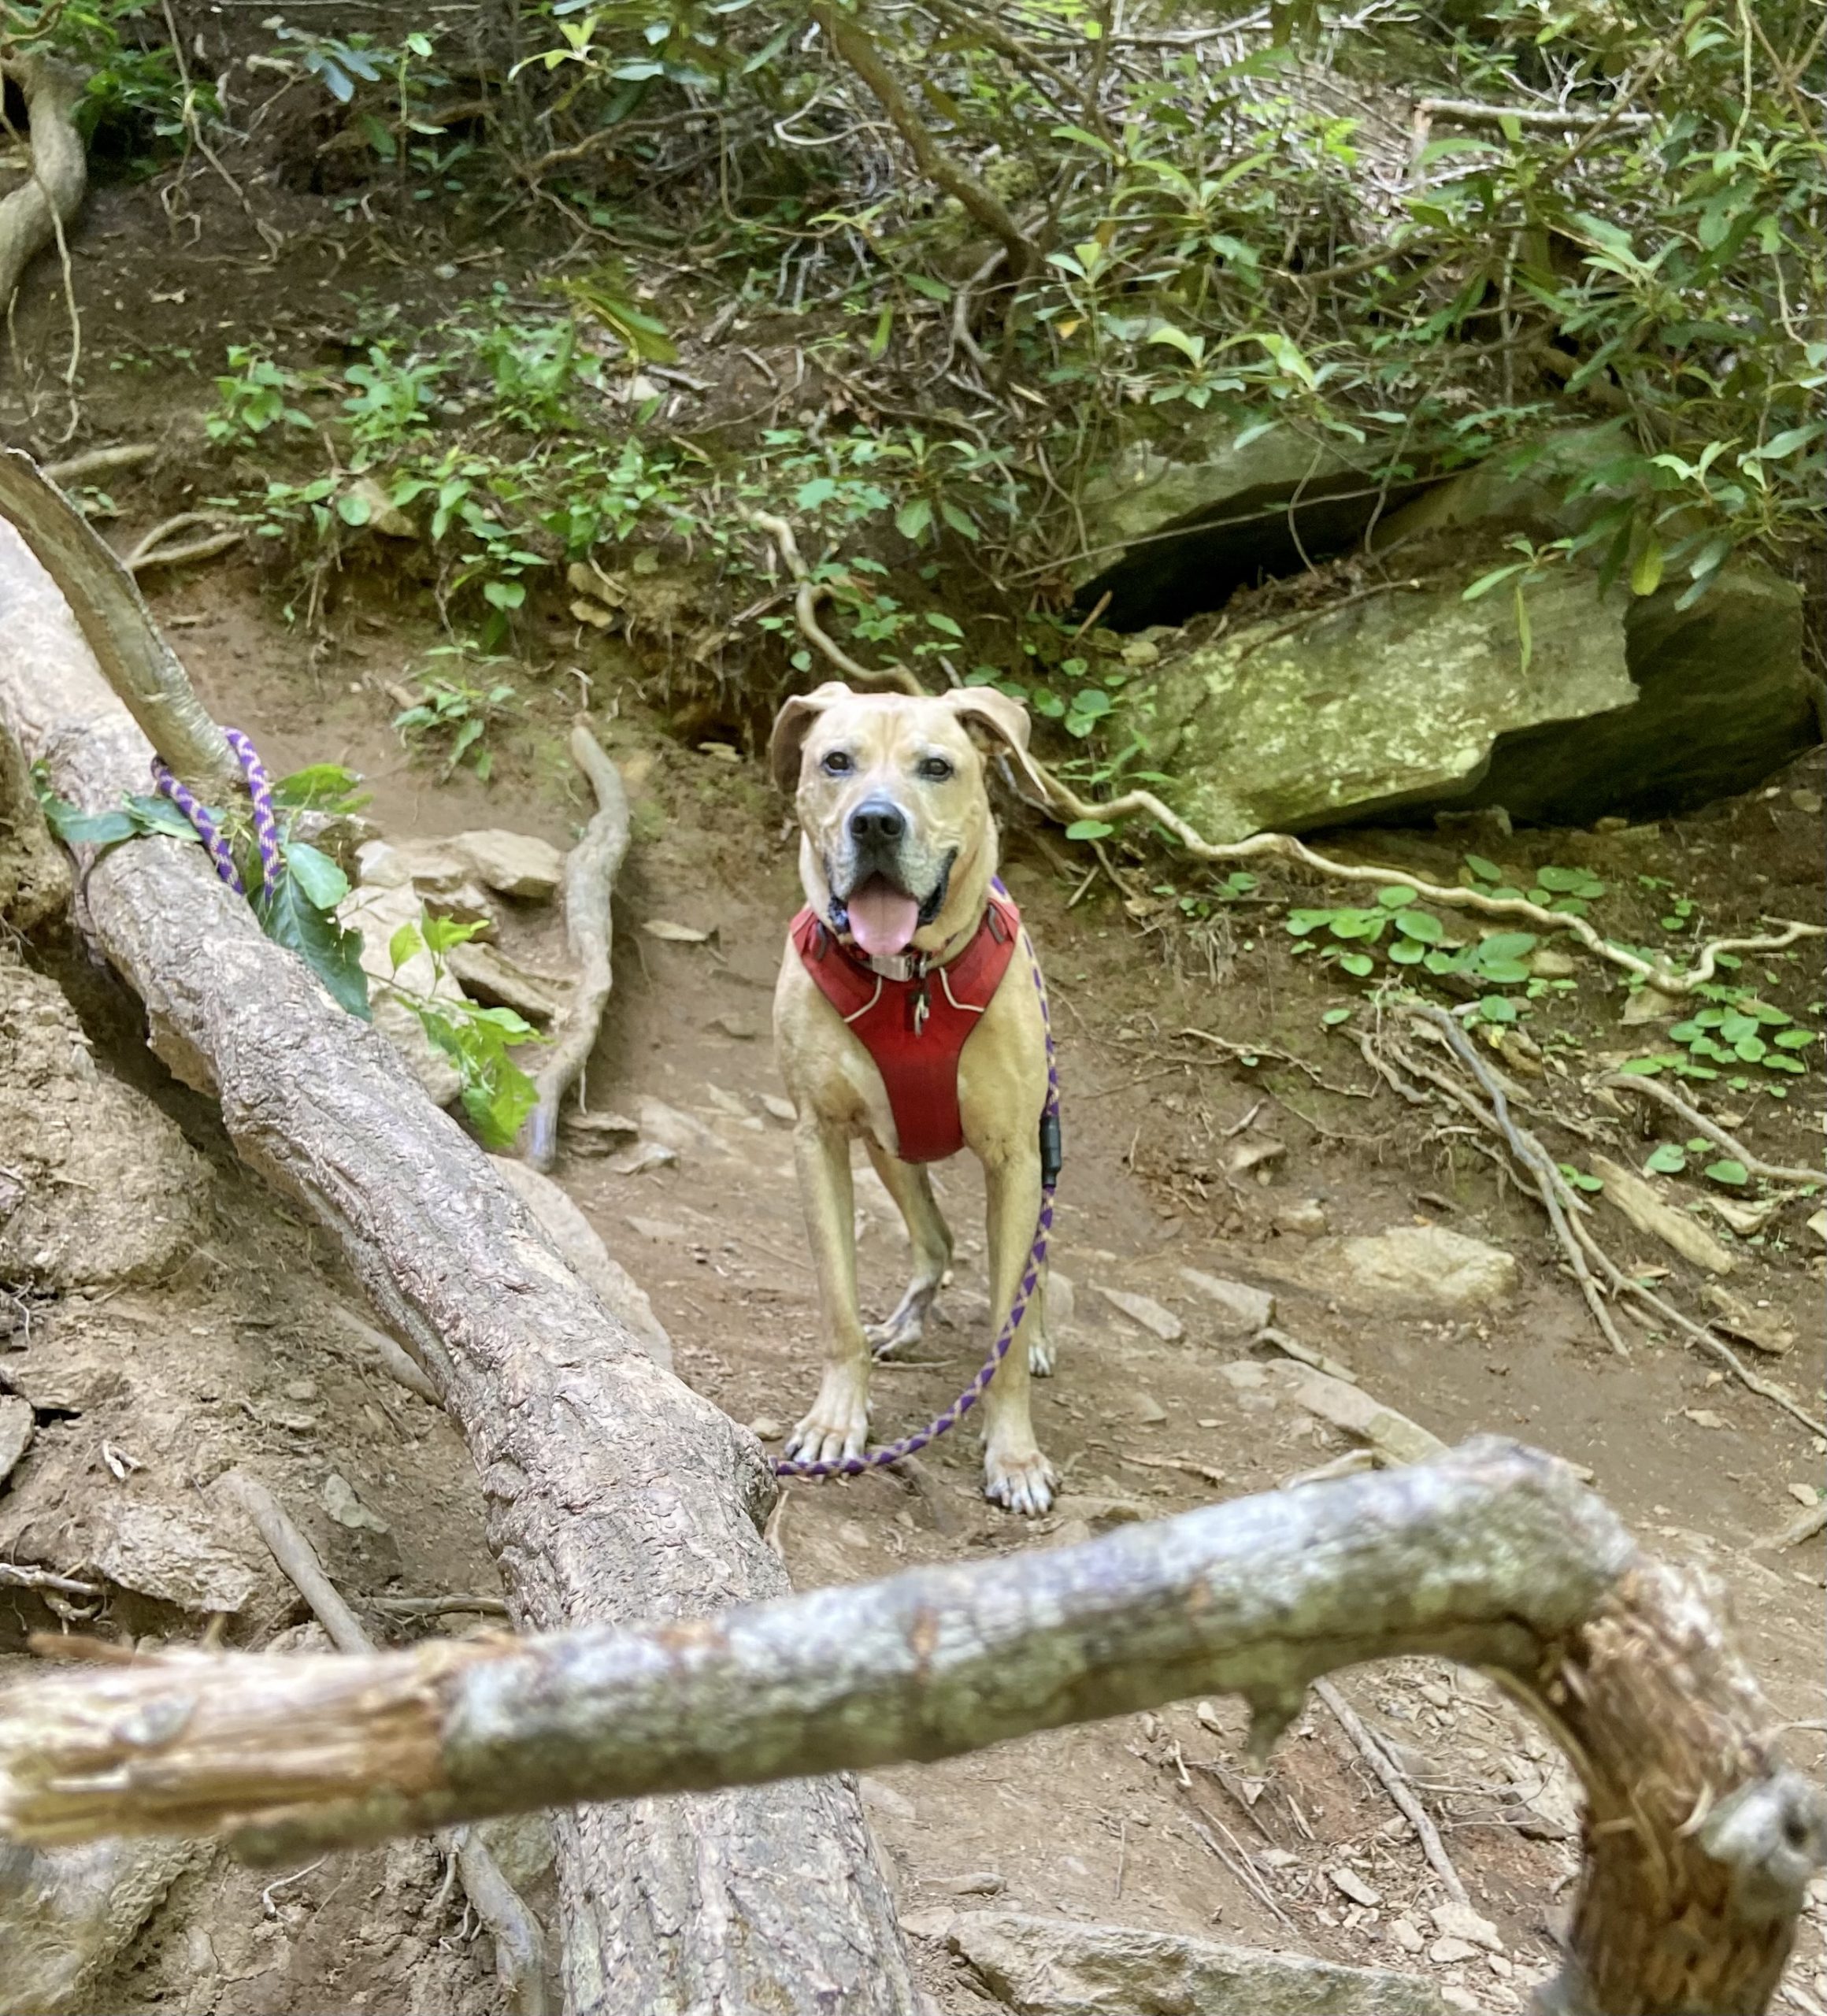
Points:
(215, 841)
(850, 1466)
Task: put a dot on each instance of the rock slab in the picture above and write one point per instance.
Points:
(1041, 1966)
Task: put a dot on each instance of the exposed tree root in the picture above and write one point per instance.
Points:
(589, 872)
(1690, 1115)
(35, 213)
(99, 462)
(153, 551)
(1697, 1841)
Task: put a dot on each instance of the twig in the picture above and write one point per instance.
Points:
(590, 872)
(1754, 1165)
(440, 1606)
(13, 1577)
(392, 1356)
(805, 612)
(1242, 1052)
(1238, 1868)
(1469, 112)
(520, 1955)
(1536, 1164)
(1401, 1793)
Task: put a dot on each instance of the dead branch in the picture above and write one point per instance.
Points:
(806, 596)
(589, 872)
(520, 1945)
(1697, 1843)
(1401, 1792)
(1691, 1116)
(138, 664)
(853, 42)
(614, 1490)
(36, 213)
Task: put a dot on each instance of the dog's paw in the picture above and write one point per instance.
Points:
(1040, 1357)
(1020, 1483)
(837, 1427)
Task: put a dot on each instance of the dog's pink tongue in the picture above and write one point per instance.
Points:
(882, 920)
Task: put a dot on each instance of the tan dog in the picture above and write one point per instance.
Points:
(895, 829)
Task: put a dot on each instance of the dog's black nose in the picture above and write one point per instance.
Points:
(877, 819)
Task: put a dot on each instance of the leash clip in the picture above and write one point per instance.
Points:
(1052, 1150)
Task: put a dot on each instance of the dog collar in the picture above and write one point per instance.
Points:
(914, 1023)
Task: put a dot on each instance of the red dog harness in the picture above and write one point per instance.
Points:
(916, 1028)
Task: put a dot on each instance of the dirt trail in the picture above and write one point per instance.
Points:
(1152, 1821)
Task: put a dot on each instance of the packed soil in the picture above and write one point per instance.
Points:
(235, 1356)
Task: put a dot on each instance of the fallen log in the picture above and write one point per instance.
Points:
(1698, 1842)
(36, 213)
(613, 1491)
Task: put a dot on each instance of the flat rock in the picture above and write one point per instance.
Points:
(16, 1424)
(1762, 1328)
(680, 1131)
(512, 864)
(1456, 1920)
(1394, 1437)
(1638, 1201)
(1426, 1263)
(1044, 1966)
(489, 975)
(378, 910)
(339, 1500)
(1144, 1310)
(1304, 1216)
(1238, 1306)
(172, 1552)
(100, 1187)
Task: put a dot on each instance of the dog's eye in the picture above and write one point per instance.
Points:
(837, 762)
(934, 769)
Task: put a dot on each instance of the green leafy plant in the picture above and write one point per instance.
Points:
(455, 712)
(254, 394)
(496, 1093)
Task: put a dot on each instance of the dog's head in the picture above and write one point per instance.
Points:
(893, 805)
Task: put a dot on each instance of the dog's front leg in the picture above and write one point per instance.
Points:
(1015, 1472)
(838, 1424)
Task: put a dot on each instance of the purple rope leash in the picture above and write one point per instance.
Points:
(214, 840)
(850, 1466)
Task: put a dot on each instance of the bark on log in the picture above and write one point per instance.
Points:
(1698, 1842)
(613, 1491)
(30, 215)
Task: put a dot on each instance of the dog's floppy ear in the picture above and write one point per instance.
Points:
(791, 725)
(1004, 719)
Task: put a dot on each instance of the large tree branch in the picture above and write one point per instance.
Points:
(33, 214)
(613, 1491)
(853, 42)
(1698, 1842)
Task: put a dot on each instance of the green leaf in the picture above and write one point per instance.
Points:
(1646, 576)
(1089, 829)
(1506, 945)
(1751, 1050)
(933, 290)
(1561, 881)
(1300, 922)
(1422, 925)
(403, 945)
(353, 508)
(1333, 1017)
(1525, 636)
(1406, 952)
(820, 490)
(884, 328)
(1498, 1008)
(1486, 871)
(289, 918)
(1646, 1067)
(1360, 964)
(1794, 1038)
(78, 828)
(1486, 582)
(1778, 1061)
(1395, 898)
(323, 882)
(946, 626)
(913, 518)
(1668, 1159)
(152, 815)
(325, 787)
(1728, 1170)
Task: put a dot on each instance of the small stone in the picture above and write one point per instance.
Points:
(1550, 963)
(643, 1156)
(1350, 1884)
(1649, 1004)
(1807, 801)
(744, 1027)
(1305, 1218)
(1448, 1952)
(1149, 1411)
(1144, 1310)
(880, 1798)
(1239, 1306)
(339, 1501)
(16, 1424)
(764, 1428)
(1746, 1216)
(1209, 1718)
(976, 1883)
(1817, 1225)
(512, 864)
(301, 1389)
(1406, 1934)
(777, 1108)
(1804, 1494)
(384, 516)
(662, 1228)
(1758, 1327)
(1704, 1416)
(670, 933)
(1456, 1920)
(1427, 1263)
(928, 1925)
(491, 977)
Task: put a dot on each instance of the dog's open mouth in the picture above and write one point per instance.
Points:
(883, 918)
